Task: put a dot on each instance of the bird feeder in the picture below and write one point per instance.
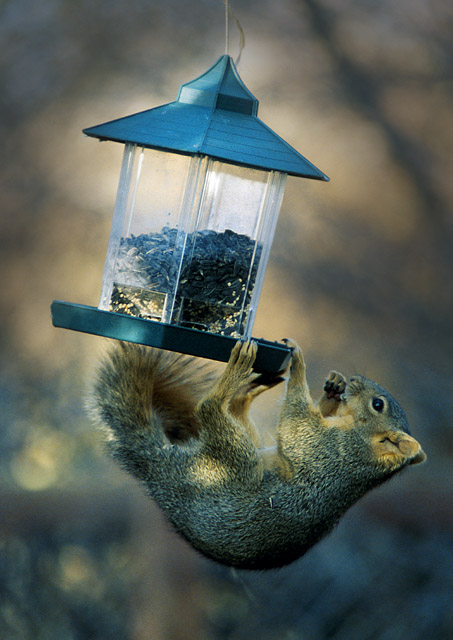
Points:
(200, 189)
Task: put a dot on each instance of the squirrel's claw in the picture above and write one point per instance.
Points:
(335, 385)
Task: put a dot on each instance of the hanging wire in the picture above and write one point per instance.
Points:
(227, 35)
(229, 12)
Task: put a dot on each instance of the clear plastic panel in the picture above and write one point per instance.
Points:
(190, 240)
(148, 234)
(121, 206)
(232, 198)
(265, 237)
(227, 249)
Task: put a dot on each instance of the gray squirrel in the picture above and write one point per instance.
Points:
(190, 441)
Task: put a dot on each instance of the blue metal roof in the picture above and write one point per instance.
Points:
(213, 115)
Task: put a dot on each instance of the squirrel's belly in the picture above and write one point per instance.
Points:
(247, 537)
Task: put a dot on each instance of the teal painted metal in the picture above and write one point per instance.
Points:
(272, 357)
(213, 115)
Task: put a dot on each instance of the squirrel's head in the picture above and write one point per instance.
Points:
(381, 421)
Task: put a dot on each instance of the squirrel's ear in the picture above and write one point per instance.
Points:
(390, 445)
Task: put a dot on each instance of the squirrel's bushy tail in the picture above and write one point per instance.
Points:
(140, 394)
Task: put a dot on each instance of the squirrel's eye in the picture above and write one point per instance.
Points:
(378, 404)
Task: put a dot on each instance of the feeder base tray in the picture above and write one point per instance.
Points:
(272, 357)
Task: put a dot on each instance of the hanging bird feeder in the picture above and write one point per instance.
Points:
(200, 190)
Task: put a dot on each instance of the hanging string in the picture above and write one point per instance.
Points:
(227, 35)
(229, 12)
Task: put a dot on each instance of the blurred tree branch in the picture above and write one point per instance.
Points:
(364, 92)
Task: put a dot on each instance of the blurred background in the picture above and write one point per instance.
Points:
(360, 275)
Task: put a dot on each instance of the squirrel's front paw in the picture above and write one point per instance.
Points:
(335, 385)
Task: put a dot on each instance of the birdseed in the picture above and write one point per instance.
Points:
(213, 293)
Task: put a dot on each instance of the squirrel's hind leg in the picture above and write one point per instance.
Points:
(240, 403)
(237, 374)
(226, 435)
(299, 414)
(297, 390)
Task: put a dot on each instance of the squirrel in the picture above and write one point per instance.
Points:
(189, 439)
